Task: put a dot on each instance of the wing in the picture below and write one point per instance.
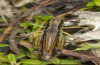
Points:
(50, 41)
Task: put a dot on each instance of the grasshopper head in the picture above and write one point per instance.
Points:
(55, 22)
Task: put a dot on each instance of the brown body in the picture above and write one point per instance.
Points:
(51, 40)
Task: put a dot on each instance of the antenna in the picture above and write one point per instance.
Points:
(49, 13)
(69, 12)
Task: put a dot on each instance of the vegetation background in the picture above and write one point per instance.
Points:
(22, 21)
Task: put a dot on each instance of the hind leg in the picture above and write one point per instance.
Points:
(60, 44)
(37, 44)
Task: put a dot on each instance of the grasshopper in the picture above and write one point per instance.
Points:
(51, 41)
